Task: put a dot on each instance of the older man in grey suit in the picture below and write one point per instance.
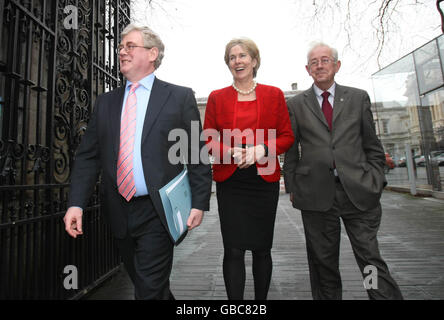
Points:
(335, 170)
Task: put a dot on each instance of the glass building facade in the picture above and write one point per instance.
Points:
(409, 114)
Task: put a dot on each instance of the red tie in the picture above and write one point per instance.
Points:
(327, 109)
(125, 175)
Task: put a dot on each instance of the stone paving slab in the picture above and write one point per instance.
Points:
(411, 240)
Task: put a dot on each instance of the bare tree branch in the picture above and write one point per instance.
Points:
(154, 9)
(384, 17)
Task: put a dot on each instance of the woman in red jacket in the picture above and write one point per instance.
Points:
(247, 126)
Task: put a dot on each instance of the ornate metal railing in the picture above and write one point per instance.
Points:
(55, 58)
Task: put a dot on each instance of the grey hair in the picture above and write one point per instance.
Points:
(150, 40)
(315, 45)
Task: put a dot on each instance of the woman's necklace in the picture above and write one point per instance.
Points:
(245, 92)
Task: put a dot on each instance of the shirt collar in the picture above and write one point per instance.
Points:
(319, 91)
(146, 82)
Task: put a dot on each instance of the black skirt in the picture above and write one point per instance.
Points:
(247, 210)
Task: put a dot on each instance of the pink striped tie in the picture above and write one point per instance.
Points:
(125, 175)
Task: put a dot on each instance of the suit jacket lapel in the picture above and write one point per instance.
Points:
(114, 119)
(312, 102)
(340, 99)
(158, 97)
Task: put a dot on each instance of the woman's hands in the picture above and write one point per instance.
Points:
(245, 157)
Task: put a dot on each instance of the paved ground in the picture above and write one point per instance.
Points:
(411, 240)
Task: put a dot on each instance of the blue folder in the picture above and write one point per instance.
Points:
(176, 200)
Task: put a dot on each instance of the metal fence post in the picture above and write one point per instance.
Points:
(410, 168)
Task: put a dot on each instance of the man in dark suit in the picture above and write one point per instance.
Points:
(335, 170)
(127, 143)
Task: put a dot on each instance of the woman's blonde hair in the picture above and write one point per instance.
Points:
(248, 45)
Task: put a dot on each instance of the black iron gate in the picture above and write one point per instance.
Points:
(55, 58)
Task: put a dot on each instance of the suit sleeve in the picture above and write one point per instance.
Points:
(86, 167)
(292, 155)
(370, 142)
(199, 169)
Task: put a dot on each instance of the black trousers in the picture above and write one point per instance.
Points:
(147, 251)
(322, 234)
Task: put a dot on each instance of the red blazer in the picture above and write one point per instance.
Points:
(272, 113)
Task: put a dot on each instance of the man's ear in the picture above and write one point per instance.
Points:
(154, 53)
(338, 65)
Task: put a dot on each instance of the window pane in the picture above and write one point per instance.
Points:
(428, 67)
(441, 49)
(396, 114)
(395, 85)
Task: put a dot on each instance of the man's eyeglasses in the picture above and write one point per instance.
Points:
(128, 48)
(323, 61)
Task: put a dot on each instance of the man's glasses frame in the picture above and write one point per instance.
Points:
(323, 61)
(128, 48)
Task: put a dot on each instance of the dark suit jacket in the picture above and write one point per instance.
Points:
(352, 146)
(169, 107)
(272, 113)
